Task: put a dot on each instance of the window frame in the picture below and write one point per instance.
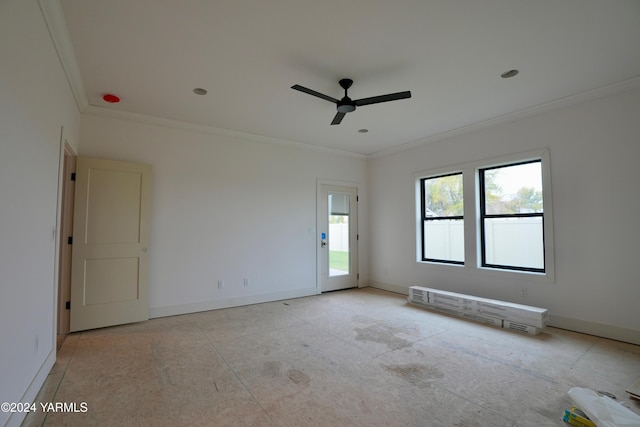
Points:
(483, 216)
(472, 238)
(424, 217)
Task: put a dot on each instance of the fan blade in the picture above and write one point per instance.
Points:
(338, 118)
(382, 98)
(314, 93)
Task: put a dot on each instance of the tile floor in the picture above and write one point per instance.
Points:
(351, 358)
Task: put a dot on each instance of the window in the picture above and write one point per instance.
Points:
(442, 219)
(493, 216)
(512, 217)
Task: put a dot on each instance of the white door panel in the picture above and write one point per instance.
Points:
(110, 244)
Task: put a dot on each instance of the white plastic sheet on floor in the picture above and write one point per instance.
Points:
(603, 410)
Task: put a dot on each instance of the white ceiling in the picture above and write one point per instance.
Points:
(248, 53)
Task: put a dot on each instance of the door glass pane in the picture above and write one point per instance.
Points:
(339, 259)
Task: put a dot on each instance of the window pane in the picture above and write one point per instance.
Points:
(339, 234)
(339, 203)
(444, 240)
(443, 196)
(514, 242)
(513, 189)
(338, 245)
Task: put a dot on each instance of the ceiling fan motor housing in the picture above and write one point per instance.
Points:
(346, 105)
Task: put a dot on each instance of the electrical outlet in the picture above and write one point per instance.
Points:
(524, 293)
(220, 284)
(246, 282)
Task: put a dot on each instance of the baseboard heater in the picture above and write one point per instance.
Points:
(517, 317)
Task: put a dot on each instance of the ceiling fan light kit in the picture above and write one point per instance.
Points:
(346, 104)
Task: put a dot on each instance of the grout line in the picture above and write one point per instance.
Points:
(234, 373)
(64, 370)
(71, 354)
(585, 352)
(486, 408)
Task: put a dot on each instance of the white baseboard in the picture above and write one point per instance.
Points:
(598, 329)
(174, 310)
(16, 418)
(585, 327)
(404, 290)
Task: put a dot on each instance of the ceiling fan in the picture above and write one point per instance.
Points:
(346, 104)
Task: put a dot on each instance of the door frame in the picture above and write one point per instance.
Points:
(319, 226)
(65, 226)
(65, 150)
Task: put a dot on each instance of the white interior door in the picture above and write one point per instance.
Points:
(110, 244)
(338, 237)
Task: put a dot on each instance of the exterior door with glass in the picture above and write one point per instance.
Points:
(338, 237)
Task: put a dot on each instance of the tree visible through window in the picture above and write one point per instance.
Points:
(512, 217)
(508, 226)
(442, 219)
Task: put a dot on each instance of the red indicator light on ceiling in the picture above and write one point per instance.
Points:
(111, 99)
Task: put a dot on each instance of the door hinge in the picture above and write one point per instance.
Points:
(68, 305)
(357, 237)
(70, 240)
(73, 176)
(358, 276)
(357, 198)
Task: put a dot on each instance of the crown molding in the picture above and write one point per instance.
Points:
(57, 26)
(94, 110)
(601, 92)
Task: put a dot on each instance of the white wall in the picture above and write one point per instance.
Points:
(224, 207)
(594, 152)
(35, 101)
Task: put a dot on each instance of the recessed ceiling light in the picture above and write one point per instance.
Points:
(200, 91)
(363, 130)
(509, 74)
